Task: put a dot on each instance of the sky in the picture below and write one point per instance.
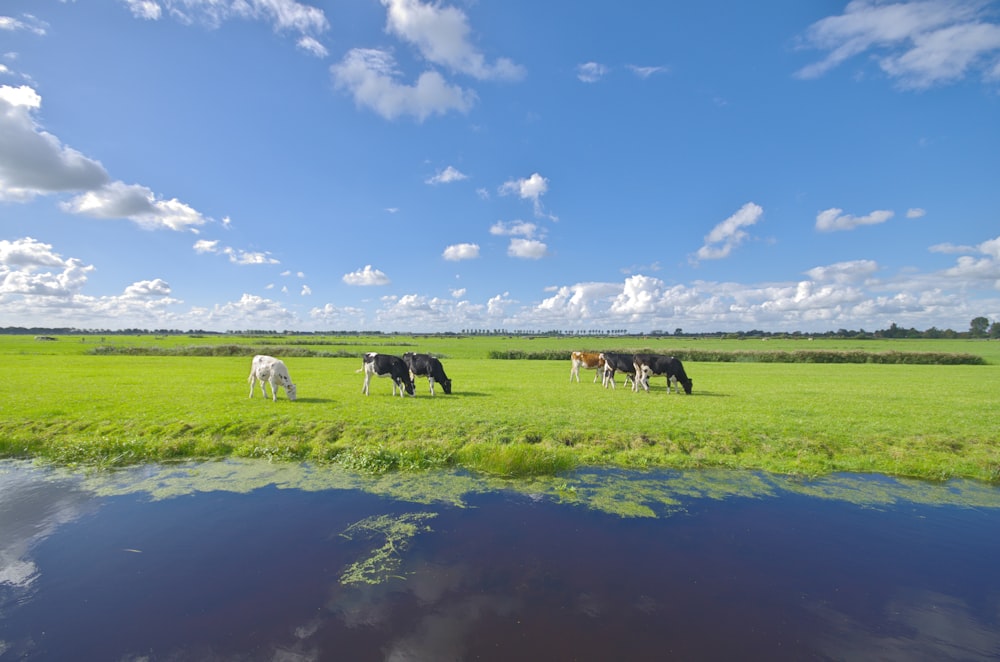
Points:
(412, 166)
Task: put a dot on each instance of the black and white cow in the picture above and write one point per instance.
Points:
(647, 365)
(615, 362)
(387, 365)
(425, 364)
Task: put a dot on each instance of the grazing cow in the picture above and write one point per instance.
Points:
(425, 364)
(588, 360)
(387, 365)
(273, 371)
(614, 362)
(647, 365)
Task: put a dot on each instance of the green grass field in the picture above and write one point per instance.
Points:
(64, 404)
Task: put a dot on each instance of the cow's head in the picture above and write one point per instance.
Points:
(446, 385)
(407, 383)
(687, 384)
(290, 391)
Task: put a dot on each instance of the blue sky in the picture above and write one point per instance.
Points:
(401, 165)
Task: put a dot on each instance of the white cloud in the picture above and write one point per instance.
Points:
(514, 229)
(306, 291)
(236, 256)
(646, 72)
(729, 234)
(532, 188)
(312, 46)
(458, 293)
(149, 10)
(366, 276)
(457, 252)
(32, 161)
(591, 72)
(915, 212)
(371, 77)
(919, 44)
(30, 267)
(148, 288)
(441, 34)
(844, 272)
(529, 249)
(282, 15)
(446, 176)
(832, 220)
(135, 203)
(28, 24)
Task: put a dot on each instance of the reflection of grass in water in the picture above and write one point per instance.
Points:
(383, 563)
(618, 492)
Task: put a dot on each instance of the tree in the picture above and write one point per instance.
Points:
(995, 330)
(978, 327)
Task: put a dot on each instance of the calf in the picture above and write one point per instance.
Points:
(273, 371)
(588, 360)
(386, 365)
(613, 362)
(425, 364)
(647, 365)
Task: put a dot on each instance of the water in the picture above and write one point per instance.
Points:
(249, 561)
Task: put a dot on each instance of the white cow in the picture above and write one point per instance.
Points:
(269, 369)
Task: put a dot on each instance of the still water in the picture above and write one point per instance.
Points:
(251, 561)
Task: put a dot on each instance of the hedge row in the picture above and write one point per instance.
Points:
(798, 356)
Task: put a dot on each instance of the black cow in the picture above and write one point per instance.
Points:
(647, 365)
(425, 364)
(613, 362)
(386, 365)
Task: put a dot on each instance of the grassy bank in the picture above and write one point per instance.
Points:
(512, 417)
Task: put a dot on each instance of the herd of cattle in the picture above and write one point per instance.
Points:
(637, 368)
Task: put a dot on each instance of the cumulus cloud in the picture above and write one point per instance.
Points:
(844, 272)
(531, 188)
(458, 252)
(729, 234)
(919, 44)
(371, 77)
(34, 162)
(591, 72)
(31, 267)
(915, 212)
(446, 176)
(529, 249)
(148, 288)
(832, 220)
(135, 203)
(514, 229)
(442, 35)
(366, 276)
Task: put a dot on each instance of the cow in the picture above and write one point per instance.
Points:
(614, 362)
(588, 360)
(267, 369)
(647, 365)
(425, 364)
(387, 365)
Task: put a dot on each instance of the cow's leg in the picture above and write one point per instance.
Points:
(431, 381)
(263, 387)
(364, 387)
(596, 371)
(252, 381)
(274, 388)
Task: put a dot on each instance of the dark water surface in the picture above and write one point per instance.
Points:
(231, 561)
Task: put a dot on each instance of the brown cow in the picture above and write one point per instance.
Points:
(588, 360)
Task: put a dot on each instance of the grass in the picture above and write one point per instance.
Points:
(506, 417)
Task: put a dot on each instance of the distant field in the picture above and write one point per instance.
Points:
(506, 417)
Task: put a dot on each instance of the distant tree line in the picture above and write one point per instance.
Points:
(979, 327)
